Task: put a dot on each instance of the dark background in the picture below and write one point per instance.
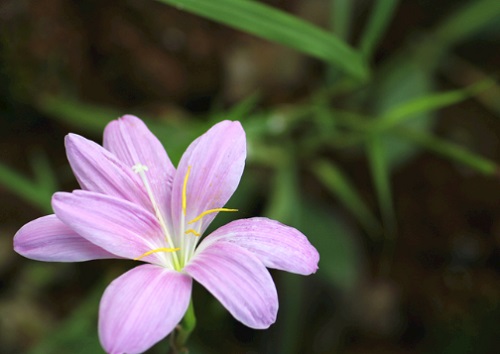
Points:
(440, 290)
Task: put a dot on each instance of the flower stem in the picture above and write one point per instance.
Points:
(179, 338)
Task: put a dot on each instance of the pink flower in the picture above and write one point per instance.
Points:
(134, 204)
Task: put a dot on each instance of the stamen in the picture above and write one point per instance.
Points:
(191, 231)
(209, 212)
(156, 251)
(184, 187)
(139, 168)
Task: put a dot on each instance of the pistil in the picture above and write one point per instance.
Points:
(141, 171)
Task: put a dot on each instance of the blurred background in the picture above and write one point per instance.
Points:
(373, 127)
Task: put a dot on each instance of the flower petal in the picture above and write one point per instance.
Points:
(118, 226)
(49, 239)
(216, 161)
(141, 307)
(238, 280)
(98, 170)
(133, 143)
(276, 245)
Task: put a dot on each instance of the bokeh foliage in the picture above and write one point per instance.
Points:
(380, 109)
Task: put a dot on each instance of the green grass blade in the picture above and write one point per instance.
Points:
(44, 174)
(342, 261)
(339, 185)
(86, 117)
(77, 334)
(26, 189)
(424, 104)
(269, 23)
(341, 18)
(379, 19)
(284, 199)
(284, 205)
(380, 171)
(241, 110)
(381, 178)
(401, 79)
(92, 119)
(451, 151)
(472, 17)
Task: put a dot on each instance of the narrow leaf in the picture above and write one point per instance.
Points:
(469, 19)
(87, 117)
(415, 107)
(341, 18)
(284, 205)
(26, 189)
(451, 151)
(339, 185)
(379, 19)
(284, 199)
(78, 333)
(242, 109)
(342, 260)
(92, 119)
(401, 80)
(44, 175)
(381, 178)
(274, 25)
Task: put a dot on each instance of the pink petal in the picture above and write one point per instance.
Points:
(116, 225)
(97, 170)
(48, 239)
(133, 143)
(276, 245)
(142, 307)
(238, 280)
(217, 159)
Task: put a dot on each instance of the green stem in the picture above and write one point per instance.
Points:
(179, 338)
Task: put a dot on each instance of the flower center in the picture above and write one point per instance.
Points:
(178, 263)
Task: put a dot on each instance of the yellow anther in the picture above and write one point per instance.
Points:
(191, 231)
(209, 212)
(156, 251)
(184, 187)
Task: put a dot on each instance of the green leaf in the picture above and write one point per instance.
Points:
(339, 185)
(77, 334)
(86, 117)
(44, 175)
(28, 190)
(341, 18)
(284, 199)
(379, 19)
(278, 26)
(381, 179)
(416, 107)
(283, 205)
(401, 81)
(468, 20)
(242, 109)
(92, 119)
(341, 261)
(451, 151)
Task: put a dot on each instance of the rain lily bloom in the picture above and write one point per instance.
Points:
(134, 204)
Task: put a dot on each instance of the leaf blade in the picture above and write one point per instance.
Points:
(338, 184)
(377, 24)
(277, 26)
